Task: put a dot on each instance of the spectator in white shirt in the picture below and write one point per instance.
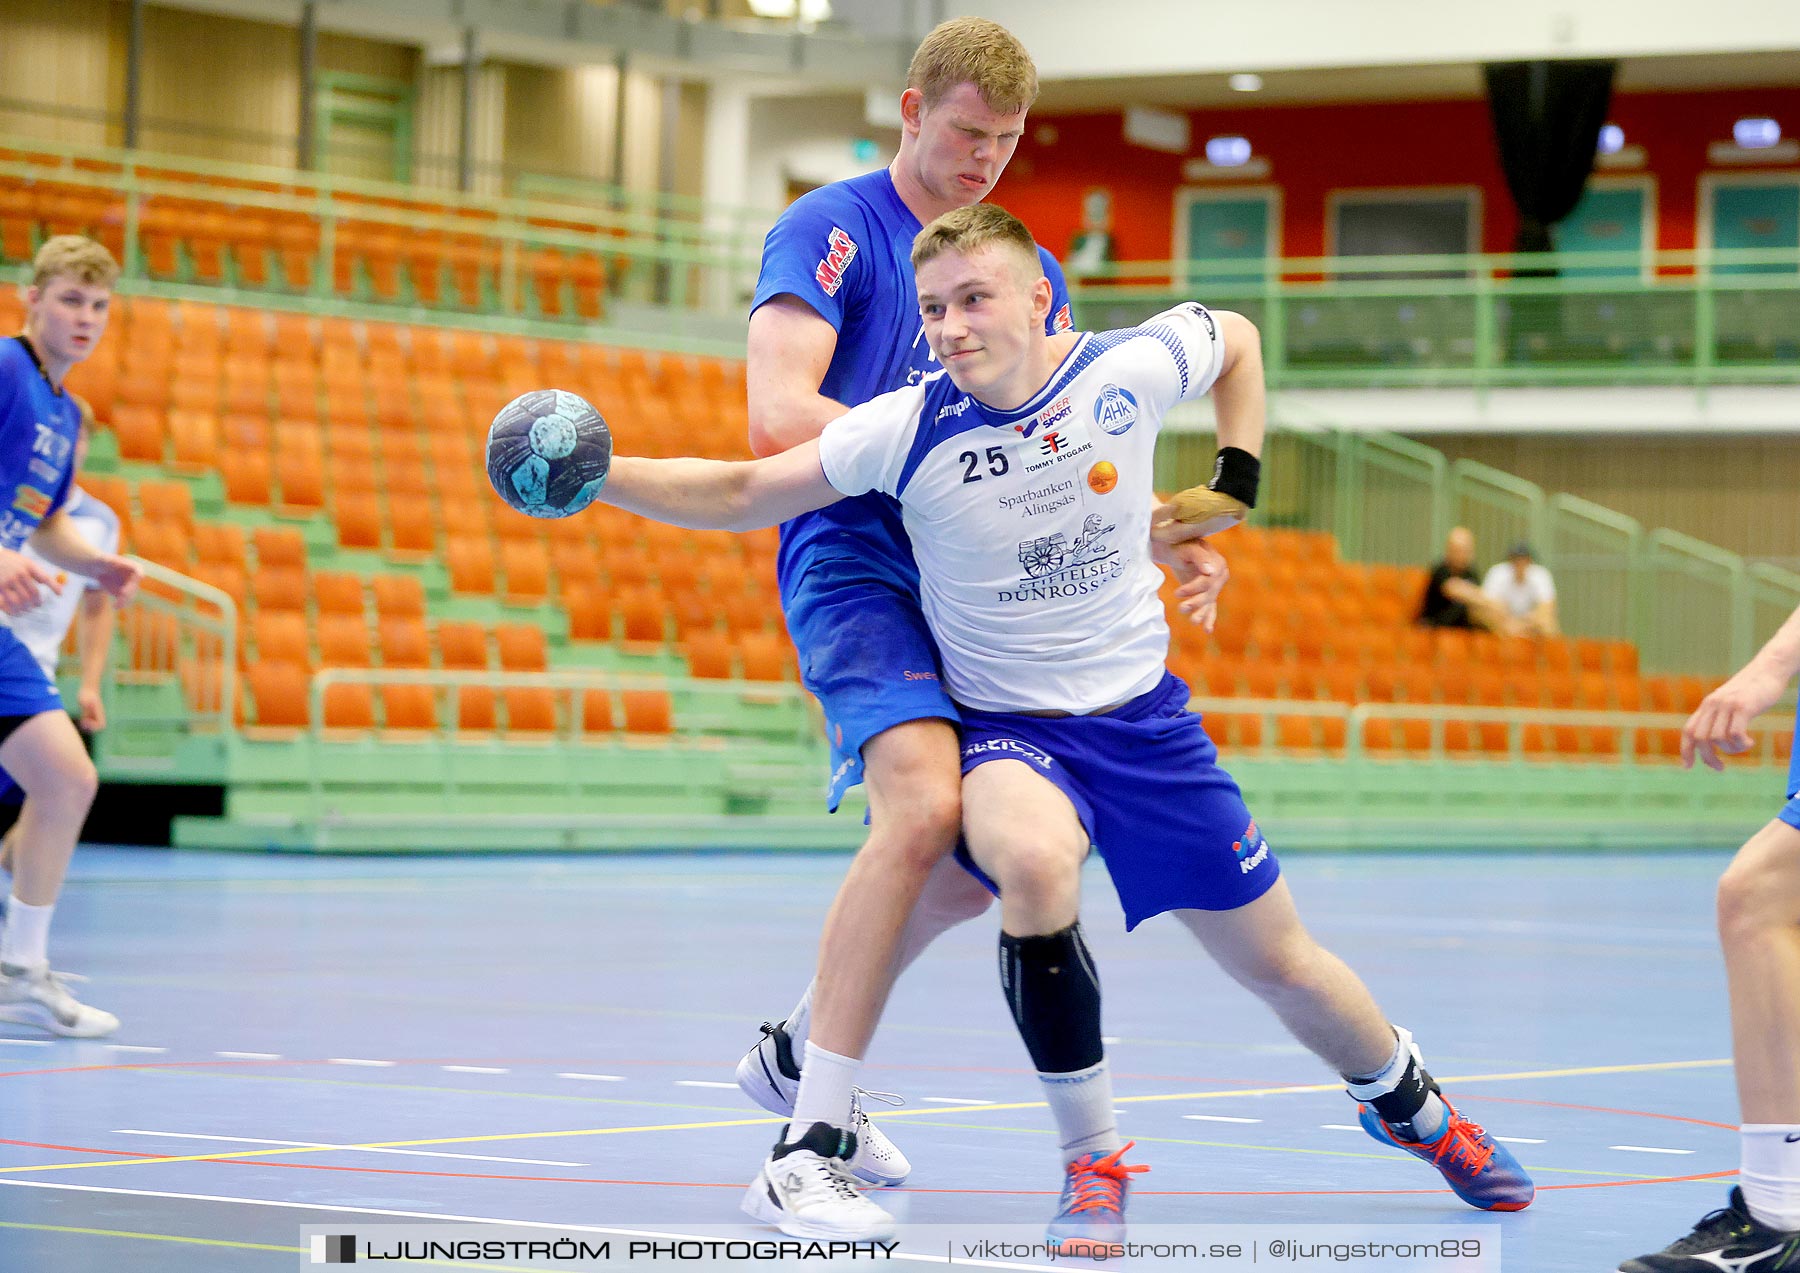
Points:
(1524, 590)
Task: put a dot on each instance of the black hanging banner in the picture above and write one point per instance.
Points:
(1547, 120)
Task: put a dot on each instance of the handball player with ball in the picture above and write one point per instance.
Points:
(1023, 472)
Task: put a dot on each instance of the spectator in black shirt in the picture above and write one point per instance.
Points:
(1454, 586)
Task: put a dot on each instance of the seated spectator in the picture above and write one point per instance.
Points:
(1524, 592)
(1452, 585)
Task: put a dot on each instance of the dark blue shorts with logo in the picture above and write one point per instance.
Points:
(866, 654)
(1145, 780)
(24, 691)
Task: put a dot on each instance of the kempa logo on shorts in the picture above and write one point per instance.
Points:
(1252, 849)
(337, 1248)
(1007, 747)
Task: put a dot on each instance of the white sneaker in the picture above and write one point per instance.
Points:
(807, 1191)
(769, 1074)
(39, 997)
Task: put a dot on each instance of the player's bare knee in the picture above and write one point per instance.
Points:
(1034, 875)
(1753, 903)
(70, 787)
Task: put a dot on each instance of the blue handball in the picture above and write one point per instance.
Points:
(548, 452)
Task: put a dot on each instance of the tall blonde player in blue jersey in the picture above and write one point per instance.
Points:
(79, 603)
(1024, 476)
(1758, 1230)
(40, 751)
(835, 322)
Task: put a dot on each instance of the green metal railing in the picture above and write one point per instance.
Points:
(1691, 317)
(679, 269)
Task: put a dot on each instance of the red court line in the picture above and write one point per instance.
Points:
(709, 1184)
(1602, 1109)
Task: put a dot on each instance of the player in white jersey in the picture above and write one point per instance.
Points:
(81, 604)
(1024, 476)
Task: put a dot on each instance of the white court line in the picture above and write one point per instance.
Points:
(1109, 1039)
(1519, 1140)
(250, 1056)
(703, 1083)
(597, 1078)
(351, 1060)
(955, 1100)
(133, 1047)
(1648, 1149)
(444, 1216)
(1339, 1127)
(25, 1043)
(357, 1149)
(1219, 1118)
(474, 1069)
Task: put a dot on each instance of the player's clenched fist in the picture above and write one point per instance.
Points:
(19, 581)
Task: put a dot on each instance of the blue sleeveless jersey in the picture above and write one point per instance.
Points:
(846, 250)
(38, 429)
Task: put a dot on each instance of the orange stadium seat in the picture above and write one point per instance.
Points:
(279, 547)
(343, 640)
(338, 592)
(596, 712)
(278, 691)
(647, 712)
(409, 708)
(404, 643)
(399, 597)
(462, 646)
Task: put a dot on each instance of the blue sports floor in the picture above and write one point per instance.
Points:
(552, 1041)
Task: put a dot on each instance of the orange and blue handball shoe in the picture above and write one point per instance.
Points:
(1479, 1171)
(1091, 1216)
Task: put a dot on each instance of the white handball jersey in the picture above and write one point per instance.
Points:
(1032, 527)
(43, 628)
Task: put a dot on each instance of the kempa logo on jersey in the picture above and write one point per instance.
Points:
(1055, 568)
(1115, 410)
(1041, 499)
(840, 250)
(953, 410)
(1007, 747)
(1055, 413)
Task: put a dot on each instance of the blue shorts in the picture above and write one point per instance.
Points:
(1145, 780)
(24, 690)
(866, 655)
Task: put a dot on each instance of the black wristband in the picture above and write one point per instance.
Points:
(1236, 473)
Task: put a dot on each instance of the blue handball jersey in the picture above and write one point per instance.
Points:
(846, 250)
(38, 429)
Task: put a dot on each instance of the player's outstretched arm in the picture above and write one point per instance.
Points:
(59, 543)
(789, 351)
(1722, 721)
(1240, 407)
(94, 625)
(721, 494)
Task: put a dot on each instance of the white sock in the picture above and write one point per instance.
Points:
(25, 941)
(824, 1097)
(1770, 1173)
(799, 1024)
(1082, 1103)
(1426, 1125)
